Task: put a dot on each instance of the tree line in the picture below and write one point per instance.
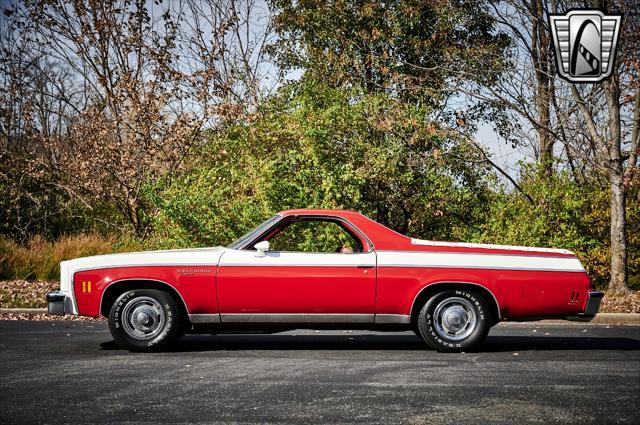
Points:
(186, 123)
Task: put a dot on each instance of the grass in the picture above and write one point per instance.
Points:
(40, 259)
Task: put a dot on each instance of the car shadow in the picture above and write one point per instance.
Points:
(194, 343)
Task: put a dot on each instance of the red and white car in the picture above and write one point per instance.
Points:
(325, 269)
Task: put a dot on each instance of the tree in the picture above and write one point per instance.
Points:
(419, 51)
(593, 123)
(606, 128)
(122, 90)
(316, 146)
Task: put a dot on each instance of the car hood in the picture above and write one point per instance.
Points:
(176, 257)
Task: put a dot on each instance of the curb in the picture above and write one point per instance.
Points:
(632, 319)
(24, 310)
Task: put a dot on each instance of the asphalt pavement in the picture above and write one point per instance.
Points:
(72, 372)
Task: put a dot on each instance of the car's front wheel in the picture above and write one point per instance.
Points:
(144, 320)
(454, 320)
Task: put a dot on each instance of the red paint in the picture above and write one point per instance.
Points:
(296, 290)
(326, 289)
(198, 290)
(386, 239)
(398, 287)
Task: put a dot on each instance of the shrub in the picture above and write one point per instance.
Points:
(39, 259)
(565, 214)
(317, 147)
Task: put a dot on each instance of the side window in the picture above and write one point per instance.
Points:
(314, 236)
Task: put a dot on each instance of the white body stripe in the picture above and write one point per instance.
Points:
(229, 257)
(297, 259)
(477, 261)
(488, 246)
(179, 257)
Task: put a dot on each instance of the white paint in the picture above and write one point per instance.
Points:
(489, 246)
(477, 261)
(297, 259)
(66, 287)
(178, 257)
(230, 257)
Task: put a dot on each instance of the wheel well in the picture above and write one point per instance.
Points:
(114, 290)
(430, 290)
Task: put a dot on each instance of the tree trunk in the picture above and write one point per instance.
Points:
(540, 45)
(618, 282)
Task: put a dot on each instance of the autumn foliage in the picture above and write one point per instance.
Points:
(131, 125)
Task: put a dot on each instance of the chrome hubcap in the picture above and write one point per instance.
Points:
(143, 318)
(455, 318)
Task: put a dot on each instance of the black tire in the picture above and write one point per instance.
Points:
(454, 308)
(144, 320)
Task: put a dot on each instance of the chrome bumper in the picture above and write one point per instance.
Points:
(591, 309)
(593, 304)
(56, 301)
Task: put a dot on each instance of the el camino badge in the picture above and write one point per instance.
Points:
(191, 271)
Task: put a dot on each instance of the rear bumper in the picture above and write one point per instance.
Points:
(57, 303)
(594, 298)
(593, 303)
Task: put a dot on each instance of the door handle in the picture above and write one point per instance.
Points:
(365, 266)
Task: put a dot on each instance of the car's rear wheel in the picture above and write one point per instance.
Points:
(144, 320)
(454, 320)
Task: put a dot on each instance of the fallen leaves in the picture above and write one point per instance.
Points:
(26, 316)
(25, 294)
(629, 303)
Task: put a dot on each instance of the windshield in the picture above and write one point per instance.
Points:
(239, 243)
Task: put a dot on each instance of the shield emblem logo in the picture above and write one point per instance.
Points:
(585, 44)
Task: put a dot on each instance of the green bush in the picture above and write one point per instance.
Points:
(315, 147)
(565, 214)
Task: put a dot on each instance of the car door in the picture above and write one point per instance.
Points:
(303, 279)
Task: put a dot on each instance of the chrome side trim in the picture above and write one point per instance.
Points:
(204, 318)
(296, 318)
(393, 318)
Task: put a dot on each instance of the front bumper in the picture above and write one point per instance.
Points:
(57, 301)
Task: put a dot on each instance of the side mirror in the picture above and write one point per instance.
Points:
(261, 248)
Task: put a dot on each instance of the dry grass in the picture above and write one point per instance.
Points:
(40, 259)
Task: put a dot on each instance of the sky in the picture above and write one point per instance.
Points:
(502, 153)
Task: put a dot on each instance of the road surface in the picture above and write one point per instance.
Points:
(72, 372)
